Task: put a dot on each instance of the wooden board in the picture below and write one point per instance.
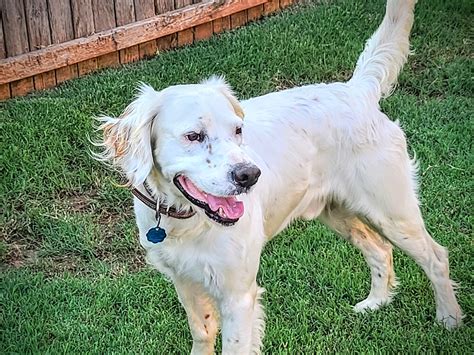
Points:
(87, 66)
(3, 52)
(144, 9)
(238, 19)
(60, 20)
(122, 37)
(45, 80)
(128, 55)
(271, 6)
(203, 31)
(221, 24)
(37, 22)
(108, 60)
(148, 49)
(104, 15)
(163, 6)
(82, 17)
(255, 13)
(22, 87)
(14, 27)
(167, 42)
(66, 73)
(124, 12)
(285, 3)
(5, 92)
(182, 3)
(185, 37)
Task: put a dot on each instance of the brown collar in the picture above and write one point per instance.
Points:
(160, 208)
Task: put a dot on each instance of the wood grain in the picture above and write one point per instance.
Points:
(255, 13)
(22, 87)
(271, 6)
(5, 92)
(66, 73)
(37, 21)
(82, 18)
(3, 52)
(163, 6)
(60, 20)
(104, 15)
(203, 31)
(221, 24)
(238, 19)
(14, 26)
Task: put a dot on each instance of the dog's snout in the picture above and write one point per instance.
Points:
(245, 175)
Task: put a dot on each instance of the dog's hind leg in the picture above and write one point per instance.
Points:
(201, 316)
(376, 250)
(409, 234)
(386, 196)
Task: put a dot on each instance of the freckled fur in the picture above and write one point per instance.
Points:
(325, 151)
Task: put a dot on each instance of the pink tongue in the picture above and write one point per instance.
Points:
(232, 208)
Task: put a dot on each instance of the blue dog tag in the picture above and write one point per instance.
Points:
(156, 235)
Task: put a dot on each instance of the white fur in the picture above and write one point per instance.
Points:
(325, 151)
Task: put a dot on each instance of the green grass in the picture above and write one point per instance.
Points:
(73, 278)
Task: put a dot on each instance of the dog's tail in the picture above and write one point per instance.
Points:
(386, 51)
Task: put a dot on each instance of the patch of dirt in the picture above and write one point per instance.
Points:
(18, 250)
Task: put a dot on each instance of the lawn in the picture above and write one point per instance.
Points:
(73, 278)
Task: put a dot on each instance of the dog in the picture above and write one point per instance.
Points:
(214, 179)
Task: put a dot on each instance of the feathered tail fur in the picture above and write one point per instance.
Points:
(386, 51)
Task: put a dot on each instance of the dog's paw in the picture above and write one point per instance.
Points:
(450, 322)
(370, 304)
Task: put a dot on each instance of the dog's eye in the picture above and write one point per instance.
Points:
(195, 137)
(238, 130)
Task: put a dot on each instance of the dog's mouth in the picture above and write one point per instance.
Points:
(225, 210)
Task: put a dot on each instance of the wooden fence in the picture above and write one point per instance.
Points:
(46, 42)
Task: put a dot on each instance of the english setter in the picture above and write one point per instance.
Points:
(194, 154)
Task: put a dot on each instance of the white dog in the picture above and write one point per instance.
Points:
(318, 151)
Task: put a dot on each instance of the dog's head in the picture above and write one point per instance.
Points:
(190, 138)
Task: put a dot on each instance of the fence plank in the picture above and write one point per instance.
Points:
(37, 23)
(255, 13)
(163, 6)
(45, 80)
(108, 60)
(82, 17)
(167, 42)
(285, 3)
(3, 52)
(66, 73)
(124, 12)
(238, 19)
(271, 6)
(14, 25)
(182, 3)
(87, 66)
(5, 92)
(144, 9)
(122, 37)
(104, 15)
(203, 31)
(60, 19)
(22, 87)
(221, 24)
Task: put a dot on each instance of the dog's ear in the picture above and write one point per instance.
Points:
(127, 139)
(220, 84)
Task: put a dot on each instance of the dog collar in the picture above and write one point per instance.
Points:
(159, 207)
(158, 234)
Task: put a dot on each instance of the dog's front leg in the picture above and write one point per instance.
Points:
(237, 309)
(201, 315)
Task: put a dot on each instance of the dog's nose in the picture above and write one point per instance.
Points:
(245, 175)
